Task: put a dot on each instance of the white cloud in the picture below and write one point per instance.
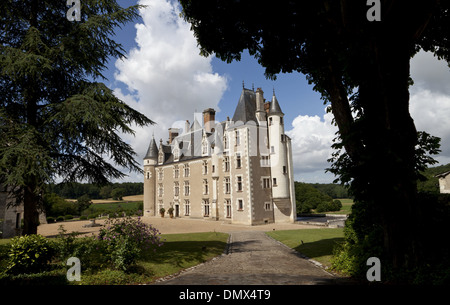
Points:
(312, 138)
(430, 99)
(166, 77)
(429, 107)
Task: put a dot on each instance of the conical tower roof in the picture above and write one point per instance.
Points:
(152, 151)
(275, 106)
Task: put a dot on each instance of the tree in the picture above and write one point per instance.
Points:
(362, 68)
(83, 203)
(117, 193)
(56, 118)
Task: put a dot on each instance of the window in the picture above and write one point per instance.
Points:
(268, 206)
(186, 170)
(176, 172)
(265, 161)
(284, 170)
(160, 174)
(237, 137)
(176, 189)
(160, 189)
(226, 163)
(18, 220)
(176, 154)
(281, 120)
(213, 168)
(161, 157)
(239, 183)
(206, 207)
(240, 205)
(270, 121)
(227, 185)
(149, 175)
(205, 187)
(228, 207)
(204, 147)
(238, 160)
(274, 181)
(205, 167)
(187, 207)
(160, 205)
(186, 188)
(266, 183)
(225, 142)
(272, 149)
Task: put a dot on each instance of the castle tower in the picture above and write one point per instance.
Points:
(150, 160)
(280, 169)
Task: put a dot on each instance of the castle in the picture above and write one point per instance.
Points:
(238, 171)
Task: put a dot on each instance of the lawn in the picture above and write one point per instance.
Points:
(181, 251)
(317, 244)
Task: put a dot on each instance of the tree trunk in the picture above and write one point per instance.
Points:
(390, 138)
(31, 214)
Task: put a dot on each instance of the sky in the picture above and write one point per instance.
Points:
(165, 78)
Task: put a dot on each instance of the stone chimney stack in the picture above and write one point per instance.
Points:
(173, 133)
(260, 112)
(209, 118)
(186, 126)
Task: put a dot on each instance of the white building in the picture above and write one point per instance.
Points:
(239, 170)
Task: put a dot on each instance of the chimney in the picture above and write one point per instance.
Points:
(186, 126)
(173, 133)
(209, 118)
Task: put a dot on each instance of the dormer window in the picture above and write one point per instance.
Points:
(161, 157)
(225, 142)
(176, 154)
(205, 145)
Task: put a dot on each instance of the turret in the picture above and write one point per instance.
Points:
(150, 160)
(278, 151)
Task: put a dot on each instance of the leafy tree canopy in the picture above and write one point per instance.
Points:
(56, 117)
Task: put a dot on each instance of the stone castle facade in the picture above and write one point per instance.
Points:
(239, 170)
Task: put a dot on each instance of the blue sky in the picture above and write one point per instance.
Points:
(165, 78)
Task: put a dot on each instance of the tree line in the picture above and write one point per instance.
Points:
(113, 190)
(318, 197)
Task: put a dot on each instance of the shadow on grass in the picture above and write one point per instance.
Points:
(178, 253)
(319, 248)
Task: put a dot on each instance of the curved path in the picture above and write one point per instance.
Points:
(253, 258)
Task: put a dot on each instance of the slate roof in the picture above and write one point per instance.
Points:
(275, 106)
(246, 107)
(152, 151)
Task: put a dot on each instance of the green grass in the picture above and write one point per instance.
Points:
(181, 251)
(317, 244)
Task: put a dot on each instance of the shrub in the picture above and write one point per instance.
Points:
(60, 218)
(50, 219)
(329, 206)
(83, 217)
(68, 217)
(125, 238)
(29, 254)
